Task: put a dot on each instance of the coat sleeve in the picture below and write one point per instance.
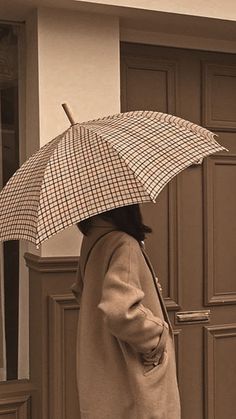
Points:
(121, 302)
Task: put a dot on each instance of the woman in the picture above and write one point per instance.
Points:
(125, 352)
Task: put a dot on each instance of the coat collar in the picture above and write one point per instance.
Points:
(99, 228)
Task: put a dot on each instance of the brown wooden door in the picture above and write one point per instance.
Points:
(193, 247)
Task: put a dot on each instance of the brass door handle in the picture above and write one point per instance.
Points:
(193, 316)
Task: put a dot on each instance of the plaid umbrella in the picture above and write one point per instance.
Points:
(97, 166)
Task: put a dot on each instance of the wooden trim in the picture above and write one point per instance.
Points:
(12, 386)
(58, 305)
(49, 278)
(17, 398)
(172, 301)
(178, 351)
(209, 70)
(51, 264)
(18, 407)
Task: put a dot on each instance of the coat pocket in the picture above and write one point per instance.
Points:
(153, 360)
(156, 366)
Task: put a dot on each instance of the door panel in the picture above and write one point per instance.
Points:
(193, 245)
(219, 92)
(143, 76)
(220, 226)
(220, 367)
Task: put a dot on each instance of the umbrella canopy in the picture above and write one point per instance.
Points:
(97, 166)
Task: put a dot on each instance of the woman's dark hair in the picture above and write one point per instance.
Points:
(128, 219)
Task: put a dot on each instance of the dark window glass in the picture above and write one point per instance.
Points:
(9, 154)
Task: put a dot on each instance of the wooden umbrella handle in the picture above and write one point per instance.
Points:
(68, 113)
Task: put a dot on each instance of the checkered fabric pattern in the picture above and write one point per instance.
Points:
(96, 166)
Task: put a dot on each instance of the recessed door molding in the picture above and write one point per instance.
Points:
(215, 292)
(219, 346)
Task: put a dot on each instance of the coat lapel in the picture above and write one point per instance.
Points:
(157, 289)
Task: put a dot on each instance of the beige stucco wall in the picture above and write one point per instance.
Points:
(210, 8)
(17, 9)
(78, 63)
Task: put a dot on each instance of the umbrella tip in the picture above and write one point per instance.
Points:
(68, 113)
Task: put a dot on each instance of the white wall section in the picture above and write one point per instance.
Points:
(78, 63)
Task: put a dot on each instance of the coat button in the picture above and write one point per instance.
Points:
(158, 284)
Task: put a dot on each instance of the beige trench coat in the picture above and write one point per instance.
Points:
(125, 353)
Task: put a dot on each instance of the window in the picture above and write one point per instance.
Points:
(9, 162)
